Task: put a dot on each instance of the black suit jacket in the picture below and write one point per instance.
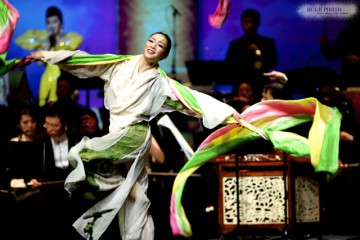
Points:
(239, 53)
(50, 172)
(240, 60)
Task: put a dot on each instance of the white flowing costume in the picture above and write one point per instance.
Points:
(132, 98)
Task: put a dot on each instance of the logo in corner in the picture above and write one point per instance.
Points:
(328, 10)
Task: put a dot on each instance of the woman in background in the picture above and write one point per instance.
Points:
(27, 124)
(52, 39)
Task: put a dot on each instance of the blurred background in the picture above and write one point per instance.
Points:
(122, 26)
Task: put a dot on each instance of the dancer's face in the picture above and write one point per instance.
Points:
(155, 47)
(53, 25)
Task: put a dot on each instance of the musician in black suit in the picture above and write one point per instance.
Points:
(252, 54)
(57, 143)
(33, 175)
(54, 209)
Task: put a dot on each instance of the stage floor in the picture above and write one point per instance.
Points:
(326, 237)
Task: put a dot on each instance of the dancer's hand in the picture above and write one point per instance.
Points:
(237, 117)
(36, 56)
(276, 76)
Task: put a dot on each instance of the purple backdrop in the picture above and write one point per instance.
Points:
(297, 38)
(95, 20)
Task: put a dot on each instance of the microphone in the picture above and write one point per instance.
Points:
(52, 40)
(175, 10)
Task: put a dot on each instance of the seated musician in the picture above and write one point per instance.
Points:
(44, 201)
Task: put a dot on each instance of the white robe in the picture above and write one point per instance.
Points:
(131, 97)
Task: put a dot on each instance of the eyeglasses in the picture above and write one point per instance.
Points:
(51, 125)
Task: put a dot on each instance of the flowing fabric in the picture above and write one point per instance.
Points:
(9, 17)
(165, 121)
(271, 117)
(127, 199)
(217, 19)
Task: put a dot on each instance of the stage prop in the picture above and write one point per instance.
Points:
(261, 193)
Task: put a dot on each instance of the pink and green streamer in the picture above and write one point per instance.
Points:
(272, 117)
(9, 17)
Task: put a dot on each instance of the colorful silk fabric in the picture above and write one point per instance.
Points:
(9, 17)
(217, 19)
(271, 117)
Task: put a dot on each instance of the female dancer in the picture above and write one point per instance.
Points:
(136, 90)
